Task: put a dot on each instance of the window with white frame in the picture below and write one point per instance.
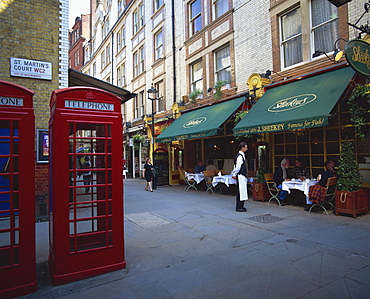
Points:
(139, 61)
(102, 57)
(121, 79)
(160, 104)
(136, 63)
(195, 17)
(107, 51)
(142, 59)
(119, 76)
(223, 65)
(138, 18)
(94, 70)
(77, 58)
(136, 107)
(196, 73)
(291, 37)
(157, 4)
(120, 39)
(120, 7)
(123, 69)
(142, 103)
(324, 22)
(158, 45)
(220, 7)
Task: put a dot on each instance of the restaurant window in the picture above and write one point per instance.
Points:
(196, 73)
(158, 45)
(195, 17)
(222, 65)
(138, 18)
(324, 22)
(220, 7)
(157, 4)
(291, 37)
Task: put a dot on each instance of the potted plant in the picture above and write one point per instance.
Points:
(194, 95)
(260, 191)
(218, 94)
(138, 140)
(349, 197)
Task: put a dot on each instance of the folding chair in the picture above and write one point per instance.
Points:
(189, 183)
(329, 197)
(271, 186)
(208, 177)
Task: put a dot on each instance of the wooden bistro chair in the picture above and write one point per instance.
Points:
(271, 186)
(189, 183)
(208, 177)
(329, 197)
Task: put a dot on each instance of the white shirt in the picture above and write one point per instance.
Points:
(239, 163)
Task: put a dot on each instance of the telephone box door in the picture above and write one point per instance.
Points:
(17, 191)
(86, 226)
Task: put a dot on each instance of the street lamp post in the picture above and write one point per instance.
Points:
(152, 95)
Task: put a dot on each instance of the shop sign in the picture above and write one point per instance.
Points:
(89, 105)
(20, 67)
(292, 103)
(7, 101)
(194, 122)
(285, 126)
(358, 56)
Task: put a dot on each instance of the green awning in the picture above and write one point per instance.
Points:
(301, 104)
(200, 123)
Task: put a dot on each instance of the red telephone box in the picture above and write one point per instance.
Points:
(17, 191)
(86, 184)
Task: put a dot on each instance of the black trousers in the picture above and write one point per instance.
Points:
(239, 203)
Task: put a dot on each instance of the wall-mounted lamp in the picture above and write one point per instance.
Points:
(268, 74)
(338, 53)
(318, 53)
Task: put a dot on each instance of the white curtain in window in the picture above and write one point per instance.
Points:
(221, 6)
(197, 72)
(291, 32)
(324, 25)
(223, 64)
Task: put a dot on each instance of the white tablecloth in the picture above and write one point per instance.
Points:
(198, 177)
(299, 185)
(226, 179)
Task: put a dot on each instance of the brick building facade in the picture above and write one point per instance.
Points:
(28, 34)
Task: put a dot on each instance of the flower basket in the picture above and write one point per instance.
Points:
(354, 203)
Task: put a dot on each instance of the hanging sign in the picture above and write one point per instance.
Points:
(20, 67)
(358, 55)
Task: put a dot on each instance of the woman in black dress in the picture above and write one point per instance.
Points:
(148, 167)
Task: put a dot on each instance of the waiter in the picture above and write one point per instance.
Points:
(240, 174)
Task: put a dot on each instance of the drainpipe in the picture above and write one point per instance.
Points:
(173, 50)
(112, 58)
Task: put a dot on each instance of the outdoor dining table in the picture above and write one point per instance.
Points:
(303, 186)
(226, 179)
(198, 177)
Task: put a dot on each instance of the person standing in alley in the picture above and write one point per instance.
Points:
(148, 168)
(240, 174)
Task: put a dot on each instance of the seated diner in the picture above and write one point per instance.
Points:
(318, 192)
